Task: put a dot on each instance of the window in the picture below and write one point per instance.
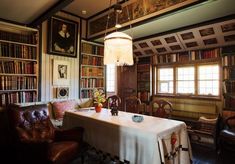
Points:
(165, 82)
(111, 77)
(185, 80)
(196, 80)
(208, 80)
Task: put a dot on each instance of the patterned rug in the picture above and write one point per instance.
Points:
(94, 156)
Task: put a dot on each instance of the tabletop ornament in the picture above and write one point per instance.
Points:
(114, 110)
(137, 118)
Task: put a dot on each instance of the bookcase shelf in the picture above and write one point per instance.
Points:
(188, 57)
(92, 70)
(144, 79)
(18, 64)
(228, 63)
(19, 43)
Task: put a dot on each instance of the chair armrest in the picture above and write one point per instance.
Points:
(227, 119)
(75, 134)
(34, 149)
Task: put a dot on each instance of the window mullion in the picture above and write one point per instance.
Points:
(196, 80)
(174, 80)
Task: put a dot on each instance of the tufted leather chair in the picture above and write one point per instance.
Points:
(161, 108)
(37, 140)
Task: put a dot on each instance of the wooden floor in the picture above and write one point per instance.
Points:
(204, 155)
(201, 155)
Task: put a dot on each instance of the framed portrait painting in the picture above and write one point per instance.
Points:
(61, 73)
(62, 37)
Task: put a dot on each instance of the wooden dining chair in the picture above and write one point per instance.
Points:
(161, 108)
(132, 104)
(114, 101)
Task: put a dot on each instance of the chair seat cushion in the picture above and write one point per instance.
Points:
(61, 152)
(60, 107)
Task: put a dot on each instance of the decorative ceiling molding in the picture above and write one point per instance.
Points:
(139, 11)
(203, 37)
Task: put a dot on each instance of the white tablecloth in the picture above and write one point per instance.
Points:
(148, 142)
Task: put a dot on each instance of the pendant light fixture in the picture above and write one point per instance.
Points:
(118, 46)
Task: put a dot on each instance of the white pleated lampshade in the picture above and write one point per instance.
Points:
(118, 49)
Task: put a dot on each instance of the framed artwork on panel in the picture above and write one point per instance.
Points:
(62, 37)
(61, 73)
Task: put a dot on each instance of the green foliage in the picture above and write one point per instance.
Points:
(99, 96)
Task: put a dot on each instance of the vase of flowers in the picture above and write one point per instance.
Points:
(99, 98)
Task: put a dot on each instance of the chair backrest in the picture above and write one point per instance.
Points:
(31, 123)
(161, 108)
(114, 101)
(132, 104)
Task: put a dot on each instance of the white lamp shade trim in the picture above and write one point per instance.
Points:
(118, 49)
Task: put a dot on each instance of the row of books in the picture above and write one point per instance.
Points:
(17, 51)
(143, 86)
(17, 97)
(143, 76)
(92, 83)
(143, 67)
(15, 37)
(92, 60)
(17, 83)
(92, 71)
(229, 87)
(228, 60)
(186, 56)
(18, 67)
(229, 73)
(230, 102)
(86, 93)
(92, 49)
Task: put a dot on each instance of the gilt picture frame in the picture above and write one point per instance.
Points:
(62, 37)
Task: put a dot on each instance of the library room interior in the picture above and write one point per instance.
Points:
(117, 81)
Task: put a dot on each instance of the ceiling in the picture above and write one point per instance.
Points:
(26, 11)
(91, 7)
(207, 36)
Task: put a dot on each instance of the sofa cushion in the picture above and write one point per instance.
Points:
(60, 107)
(85, 103)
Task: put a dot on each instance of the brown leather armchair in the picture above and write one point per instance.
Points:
(37, 140)
(227, 135)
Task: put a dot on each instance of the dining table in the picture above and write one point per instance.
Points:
(153, 140)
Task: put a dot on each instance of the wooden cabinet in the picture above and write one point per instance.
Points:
(18, 64)
(92, 69)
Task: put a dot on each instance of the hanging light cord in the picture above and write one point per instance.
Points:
(129, 19)
(107, 24)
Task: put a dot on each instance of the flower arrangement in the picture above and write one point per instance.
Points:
(99, 97)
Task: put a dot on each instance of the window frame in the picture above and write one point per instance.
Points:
(196, 83)
(115, 80)
(158, 85)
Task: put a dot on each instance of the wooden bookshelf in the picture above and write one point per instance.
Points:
(144, 79)
(190, 57)
(92, 69)
(228, 63)
(18, 64)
